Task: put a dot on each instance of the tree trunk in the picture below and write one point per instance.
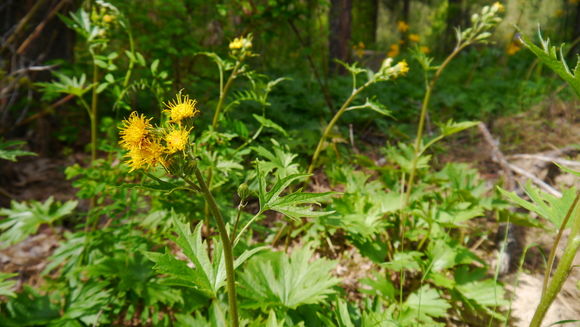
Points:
(364, 17)
(339, 34)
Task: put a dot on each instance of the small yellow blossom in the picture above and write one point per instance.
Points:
(559, 13)
(176, 140)
(183, 107)
(424, 49)
(394, 51)
(403, 68)
(497, 6)
(241, 43)
(402, 26)
(134, 131)
(147, 156)
(359, 49)
(512, 48)
(108, 18)
(414, 38)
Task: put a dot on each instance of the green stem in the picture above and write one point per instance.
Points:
(563, 269)
(237, 237)
(552, 255)
(94, 101)
(228, 253)
(419, 137)
(223, 93)
(331, 124)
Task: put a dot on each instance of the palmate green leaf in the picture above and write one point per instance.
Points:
(426, 302)
(295, 205)
(448, 254)
(24, 219)
(274, 280)
(548, 55)
(404, 261)
(207, 276)
(279, 161)
(546, 205)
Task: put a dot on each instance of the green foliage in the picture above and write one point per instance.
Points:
(23, 220)
(207, 276)
(548, 206)
(548, 55)
(275, 280)
(10, 150)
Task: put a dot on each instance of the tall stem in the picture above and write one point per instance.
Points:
(331, 124)
(93, 115)
(223, 93)
(563, 269)
(228, 253)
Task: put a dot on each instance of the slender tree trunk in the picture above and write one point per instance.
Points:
(339, 34)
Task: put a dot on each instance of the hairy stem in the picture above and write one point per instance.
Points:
(228, 253)
(563, 268)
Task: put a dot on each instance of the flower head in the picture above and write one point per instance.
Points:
(498, 7)
(176, 140)
(402, 26)
(424, 49)
(134, 131)
(513, 48)
(414, 38)
(147, 156)
(401, 68)
(183, 107)
(394, 51)
(241, 43)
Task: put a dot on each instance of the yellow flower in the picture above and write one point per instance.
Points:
(497, 6)
(176, 140)
(512, 48)
(241, 43)
(108, 18)
(359, 49)
(183, 107)
(147, 156)
(424, 49)
(403, 68)
(134, 131)
(414, 38)
(402, 26)
(394, 51)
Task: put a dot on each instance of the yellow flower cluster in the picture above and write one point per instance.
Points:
(147, 148)
(241, 43)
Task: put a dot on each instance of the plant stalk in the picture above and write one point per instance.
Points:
(331, 125)
(563, 268)
(228, 253)
(223, 93)
(93, 115)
